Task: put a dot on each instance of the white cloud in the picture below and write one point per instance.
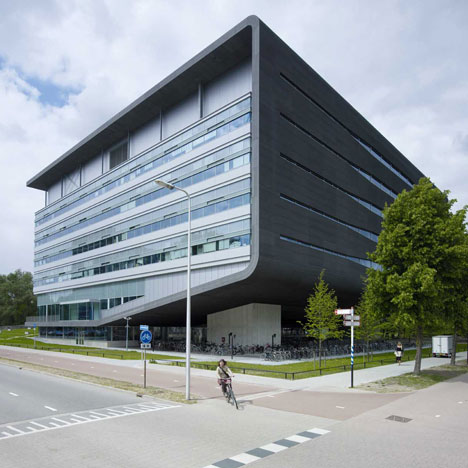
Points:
(401, 64)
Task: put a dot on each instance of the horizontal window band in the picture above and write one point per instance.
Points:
(365, 174)
(236, 111)
(176, 240)
(157, 225)
(366, 145)
(368, 234)
(197, 249)
(153, 195)
(361, 261)
(227, 191)
(371, 207)
(229, 151)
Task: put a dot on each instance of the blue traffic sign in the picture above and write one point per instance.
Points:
(146, 336)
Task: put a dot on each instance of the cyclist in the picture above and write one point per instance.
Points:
(223, 372)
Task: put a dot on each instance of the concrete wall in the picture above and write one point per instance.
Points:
(252, 324)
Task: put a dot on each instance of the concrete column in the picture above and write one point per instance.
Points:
(252, 324)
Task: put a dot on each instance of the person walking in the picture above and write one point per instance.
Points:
(399, 353)
(223, 372)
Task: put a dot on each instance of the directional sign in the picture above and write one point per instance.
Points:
(146, 336)
(349, 323)
(352, 317)
(343, 311)
(145, 345)
(144, 327)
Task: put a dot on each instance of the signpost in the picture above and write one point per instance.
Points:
(145, 339)
(350, 320)
(344, 311)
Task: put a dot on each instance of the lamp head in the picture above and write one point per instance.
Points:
(164, 184)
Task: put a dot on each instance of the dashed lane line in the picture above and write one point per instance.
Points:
(49, 423)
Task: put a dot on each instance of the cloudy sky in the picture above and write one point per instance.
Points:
(67, 66)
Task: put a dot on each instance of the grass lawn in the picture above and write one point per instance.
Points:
(20, 339)
(410, 382)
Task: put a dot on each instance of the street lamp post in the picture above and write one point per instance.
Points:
(188, 313)
(126, 333)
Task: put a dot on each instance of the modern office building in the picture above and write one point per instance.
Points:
(285, 177)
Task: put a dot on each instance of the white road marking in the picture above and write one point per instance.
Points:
(50, 408)
(81, 417)
(460, 402)
(131, 410)
(245, 458)
(274, 447)
(92, 367)
(100, 414)
(113, 412)
(177, 381)
(340, 407)
(317, 430)
(261, 395)
(61, 421)
(40, 425)
(298, 438)
(437, 415)
(14, 429)
(13, 394)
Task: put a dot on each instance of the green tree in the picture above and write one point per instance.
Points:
(372, 326)
(422, 254)
(17, 300)
(321, 322)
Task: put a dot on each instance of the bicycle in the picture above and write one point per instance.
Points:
(231, 398)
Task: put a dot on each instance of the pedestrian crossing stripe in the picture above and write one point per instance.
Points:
(269, 449)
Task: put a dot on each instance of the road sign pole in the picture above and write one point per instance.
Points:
(352, 347)
(144, 373)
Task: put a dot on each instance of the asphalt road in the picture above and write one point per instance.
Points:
(27, 395)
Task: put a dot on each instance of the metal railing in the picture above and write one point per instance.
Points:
(42, 318)
(288, 375)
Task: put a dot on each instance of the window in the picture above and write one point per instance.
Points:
(118, 155)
